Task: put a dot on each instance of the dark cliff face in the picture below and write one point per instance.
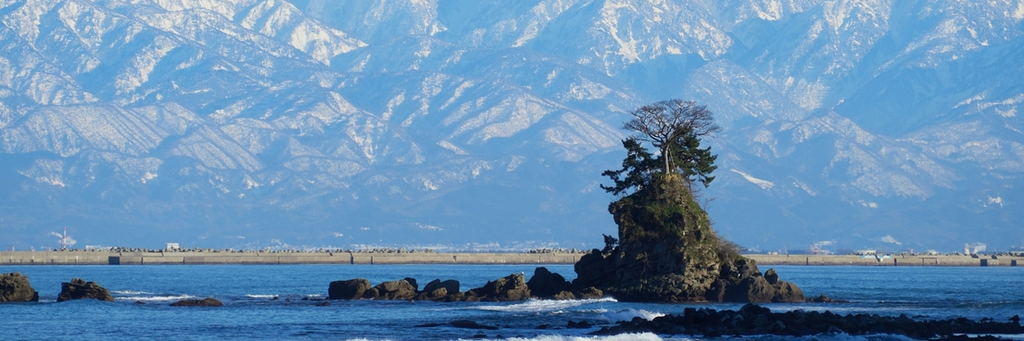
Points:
(668, 252)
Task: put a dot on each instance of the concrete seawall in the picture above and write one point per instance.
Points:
(892, 260)
(152, 258)
(149, 258)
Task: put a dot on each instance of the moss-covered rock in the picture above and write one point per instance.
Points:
(668, 252)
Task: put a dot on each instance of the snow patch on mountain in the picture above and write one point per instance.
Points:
(764, 184)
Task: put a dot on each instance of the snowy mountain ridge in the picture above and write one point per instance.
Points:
(256, 123)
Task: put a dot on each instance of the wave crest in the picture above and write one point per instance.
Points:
(540, 306)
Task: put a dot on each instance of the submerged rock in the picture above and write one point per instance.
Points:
(80, 289)
(14, 287)
(825, 299)
(206, 302)
(467, 324)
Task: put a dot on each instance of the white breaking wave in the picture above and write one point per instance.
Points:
(129, 292)
(154, 298)
(620, 337)
(629, 314)
(259, 296)
(848, 337)
(539, 306)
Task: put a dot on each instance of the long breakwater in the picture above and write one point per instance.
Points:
(278, 257)
(357, 257)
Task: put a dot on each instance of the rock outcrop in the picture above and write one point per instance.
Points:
(667, 252)
(14, 287)
(546, 284)
(438, 290)
(543, 284)
(403, 289)
(80, 289)
(509, 288)
(755, 320)
(348, 289)
(392, 290)
(206, 302)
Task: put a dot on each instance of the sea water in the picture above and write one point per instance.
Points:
(278, 302)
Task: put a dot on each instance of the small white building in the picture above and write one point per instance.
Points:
(171, 246)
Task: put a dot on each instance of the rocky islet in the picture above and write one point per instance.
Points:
(667, 252)
(79, 289)
(15, 287)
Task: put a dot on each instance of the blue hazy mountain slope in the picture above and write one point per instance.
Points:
(265, 123)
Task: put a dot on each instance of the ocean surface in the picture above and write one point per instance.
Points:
(251, 312)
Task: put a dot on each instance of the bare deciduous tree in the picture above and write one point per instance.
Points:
(667, 122)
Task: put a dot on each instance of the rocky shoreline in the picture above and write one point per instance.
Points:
(751, 319)
(756, 320)
(542, 285)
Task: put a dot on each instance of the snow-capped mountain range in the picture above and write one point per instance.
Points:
(443, 123)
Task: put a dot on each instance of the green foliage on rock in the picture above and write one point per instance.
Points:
(667, 251)
(666, 246)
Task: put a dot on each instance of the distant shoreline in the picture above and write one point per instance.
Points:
(422, 257)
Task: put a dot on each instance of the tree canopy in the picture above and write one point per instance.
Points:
(675, 127)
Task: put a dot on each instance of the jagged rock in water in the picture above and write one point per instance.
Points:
(80, 289)
(564, 295)
(412, 282)
(393, 290)
(589, 293)
(825, 299)
(14, 287)
(756, 320)
(594, 269)
(668, 252)
(546, 284)
(451, 285)
(348, 289)
(206, 302)
(437, 290)
(509, 288)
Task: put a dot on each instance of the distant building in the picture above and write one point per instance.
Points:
(171, 246)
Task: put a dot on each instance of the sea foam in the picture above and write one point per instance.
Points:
(154, 298)
(620, 337)
(629, 314)
(541, 306)
(128, 292)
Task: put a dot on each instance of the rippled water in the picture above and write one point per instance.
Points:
(251, 312)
